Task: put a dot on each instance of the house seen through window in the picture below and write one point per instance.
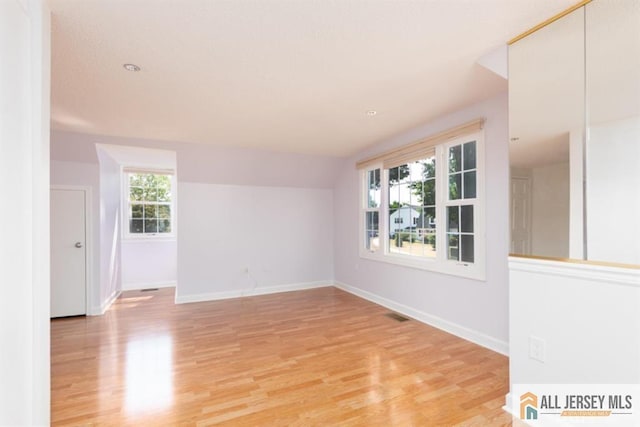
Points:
(421, 207)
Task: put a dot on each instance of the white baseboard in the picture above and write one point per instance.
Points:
(102, 309)
(468, 334)
(148, 285)
(213, 296)
(508, 406)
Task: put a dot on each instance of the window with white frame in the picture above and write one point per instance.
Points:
(422, 204)
(149, 204)
(372, 210)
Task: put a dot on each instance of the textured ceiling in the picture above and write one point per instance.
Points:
(295, 76)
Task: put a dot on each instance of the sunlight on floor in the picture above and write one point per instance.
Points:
(149, 378)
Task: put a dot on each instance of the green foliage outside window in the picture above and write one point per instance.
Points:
(149, 203)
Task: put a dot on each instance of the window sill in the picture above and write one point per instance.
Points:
(451, 268)
(149, 239)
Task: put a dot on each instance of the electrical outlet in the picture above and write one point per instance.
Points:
(537, 348)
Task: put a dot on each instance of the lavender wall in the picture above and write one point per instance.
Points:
(209, 164)
(266, 187)
(476, 310)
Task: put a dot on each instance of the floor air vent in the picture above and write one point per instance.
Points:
(398, 317)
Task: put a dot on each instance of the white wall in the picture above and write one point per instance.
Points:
(613, 192)
(145, 263)
(298, 183)
(282, 235)
(587, 316)
(24, 239)
(473, 309)
(110, 230)
(213, 164)
(550, 210)
(149, 264)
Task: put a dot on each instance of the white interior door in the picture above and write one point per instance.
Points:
(520, 215)
(68, 253)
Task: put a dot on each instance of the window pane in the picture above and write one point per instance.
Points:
(470, 185)
(373, 186)
(453, 221)
(136, 194)
(429, 187)
(416, 247)
(405, 194)
(430, 243)
(394, 195)
(393, 219)
(469, 155)
(455, 157)
(418, 219)
(466, 247)
(150, 225)
(135, 180)
(399, 174)
(429, 168)
(148, 180)
(135, 226)
(136, 211)
(453, 250)
(455, 186)
(150, 194)
(372, 220)
(164, 195)
(163, 181)
(150, 211)
(164, 211)
(466, 219)
(372, 241)
(164, 226)
(430, 218)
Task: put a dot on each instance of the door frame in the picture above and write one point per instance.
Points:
(88, 242)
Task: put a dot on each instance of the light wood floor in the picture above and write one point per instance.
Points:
(320, 357)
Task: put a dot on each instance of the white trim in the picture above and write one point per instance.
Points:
(508, 406)
(463, 332)
(99, 311)
(214, 296)
(88, 241)
(147, 285)
(600, 274)
(160, 239)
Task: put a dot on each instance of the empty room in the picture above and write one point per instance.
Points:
(320, 213)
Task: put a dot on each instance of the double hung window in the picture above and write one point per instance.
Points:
(421, 205)
(148, 204)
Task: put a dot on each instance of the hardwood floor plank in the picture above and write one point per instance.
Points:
(307, 358)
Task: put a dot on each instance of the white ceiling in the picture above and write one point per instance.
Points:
(296, 75)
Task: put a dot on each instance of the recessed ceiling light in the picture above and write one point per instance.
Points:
(131, 67)
(371, 113)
